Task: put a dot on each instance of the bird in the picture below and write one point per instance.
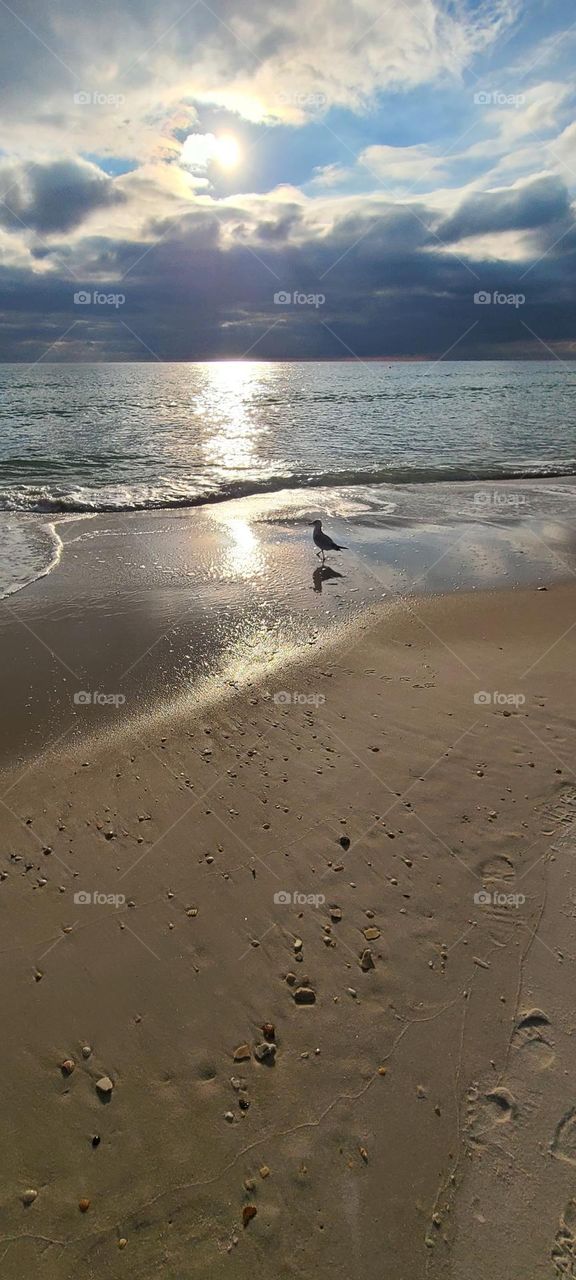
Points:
(323, 542)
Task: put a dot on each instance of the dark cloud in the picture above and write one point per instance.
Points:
(50, 198)
(535, 204)
(205, 289)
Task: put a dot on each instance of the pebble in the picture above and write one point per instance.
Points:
(264, 1171)
(84, 1205)
(229, 1116)
(122, 1242)
(335, 914)
(86, 1050)
(104, 1086)
(242, 1053)
(291, 979)
(265, 1052)
(29, 1196)
(249, 1211)
(352, 992)
(371, 934)
(304, 995)
(366, 960)
(344, 842)
(67, 1067)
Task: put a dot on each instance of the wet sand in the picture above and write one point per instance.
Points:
(149, 610)
(170, 890)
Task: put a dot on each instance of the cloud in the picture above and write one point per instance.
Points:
(535, 204)
(50, 198)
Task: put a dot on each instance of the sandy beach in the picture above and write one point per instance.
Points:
(287, 975)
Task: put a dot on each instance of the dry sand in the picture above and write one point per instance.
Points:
(419, 1117)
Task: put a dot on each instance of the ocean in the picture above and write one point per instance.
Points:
(406, 441)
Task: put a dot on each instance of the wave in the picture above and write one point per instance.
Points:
(148, 497)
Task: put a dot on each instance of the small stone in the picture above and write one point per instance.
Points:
(304, 995)
(229, 1116)
(122, 1242)
(352, 992)
(298, 944)
(250, 1184)
(86, 1050)
(291, 979)
(364, 1154)
(104, 1086)
(96, 1140)
(344, 841)
(371, 934)
(382, 1071)
(366, 960)
(29, 1196)
(249, 1211)
(67, 1067)
(238, 1083)
(265, 1052)
(84, 1205)
(264, 1171)
(242, 1053)
(192, 911)
(268, 1031)
(335, 914)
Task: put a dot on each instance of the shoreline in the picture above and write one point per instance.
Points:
(198, 823)
(160, 608)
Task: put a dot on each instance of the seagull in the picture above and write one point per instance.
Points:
(322, 540)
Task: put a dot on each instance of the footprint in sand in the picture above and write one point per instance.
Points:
(562, 809)
(485, 1110)
(563, 1145)
(532, 1037)
(564, 1247)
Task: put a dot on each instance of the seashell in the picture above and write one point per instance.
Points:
(84, 1205)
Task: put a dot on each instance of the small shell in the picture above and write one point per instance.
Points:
(29, 1196)
(122, 1242)
(84, 1205)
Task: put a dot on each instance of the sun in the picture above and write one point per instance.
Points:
(226, 151)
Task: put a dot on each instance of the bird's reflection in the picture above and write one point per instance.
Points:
(322, 574)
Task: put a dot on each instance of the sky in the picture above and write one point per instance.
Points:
(326, 179)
